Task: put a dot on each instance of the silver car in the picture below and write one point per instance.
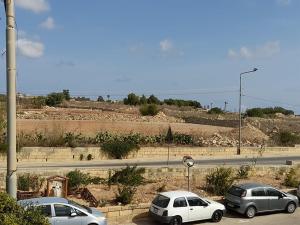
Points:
(61, 211)
(252, 198)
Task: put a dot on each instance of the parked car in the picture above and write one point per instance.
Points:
(252, 198)
(177, 207)
(61, 211)
(298, 192)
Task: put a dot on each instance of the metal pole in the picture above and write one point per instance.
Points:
(240, 117)
(189, 179)
(11, 177)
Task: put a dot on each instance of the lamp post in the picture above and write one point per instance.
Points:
(240, 110)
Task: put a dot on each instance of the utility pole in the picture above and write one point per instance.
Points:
(11, 177)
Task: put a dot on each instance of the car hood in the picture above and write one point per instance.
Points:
(97, 213)
(214, 203)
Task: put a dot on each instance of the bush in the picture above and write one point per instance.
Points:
(89, 157)
(39, 102)
(153, 100)
(77, 179)
(132, 99)
(220, 180)
(180, 103)
(54, 99)
(149, 110)
(125, 194)
(291, 179)
(262, 112)
(117, 149)
(23, 182)
(243, 172)
(183, 139)
(215, 110)
(13, 214)
(286, 138)
(131, 176)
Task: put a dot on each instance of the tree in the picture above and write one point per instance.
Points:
(132, 99)
(143, 100)
(149, 110)
(215, 110)
(169, 140)
(66, 94)
(153, 100)
(100, 99)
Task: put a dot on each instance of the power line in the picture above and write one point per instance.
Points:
(272, 101)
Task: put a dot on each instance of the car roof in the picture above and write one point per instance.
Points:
(44, 200)
(252, 185)
(176, 194)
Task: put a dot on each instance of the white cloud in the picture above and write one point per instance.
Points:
(267, 50)
(284, 2)
(166, 45)
(30, 49)
(48, 24)
(36, 6)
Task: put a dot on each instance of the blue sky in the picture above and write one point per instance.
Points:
(188, 49)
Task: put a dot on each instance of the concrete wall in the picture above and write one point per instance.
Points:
(48, 154)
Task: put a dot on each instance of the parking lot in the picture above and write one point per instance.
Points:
(232, 218)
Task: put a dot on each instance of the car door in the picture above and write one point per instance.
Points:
(180, 208)
(276, 199)
(63, 215)
(46, 210)
(198, 209)
(260, 198)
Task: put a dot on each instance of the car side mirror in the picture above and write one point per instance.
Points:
(280, 196)
(73, 214)
(205, 204)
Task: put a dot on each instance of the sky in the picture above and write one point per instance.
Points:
(187, 49)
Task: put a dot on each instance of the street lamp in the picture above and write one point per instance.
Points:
(240, 110)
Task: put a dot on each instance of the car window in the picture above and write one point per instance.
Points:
(161, 201)
(179, 202)
(79, 213)
(62, 210)
(258, 192)
(236, 191)
(45, 210)
(273, 192)
(194, 201)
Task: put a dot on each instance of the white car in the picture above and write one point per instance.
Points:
(177, 207)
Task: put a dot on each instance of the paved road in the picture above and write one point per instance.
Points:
(232, 219)
(274, 160)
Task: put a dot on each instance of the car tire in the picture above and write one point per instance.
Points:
(176, 220)
(291, 207)
(250, 212)
(217, 216)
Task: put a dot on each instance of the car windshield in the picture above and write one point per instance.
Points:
(236, 191)
(161, 201)
(82, 207)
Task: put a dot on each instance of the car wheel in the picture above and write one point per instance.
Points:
(217, 216)
(250, 212)
(291, 207)
(176, 220)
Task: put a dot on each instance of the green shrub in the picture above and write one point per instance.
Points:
(72, 140)
(183, 139)
(215, 110)
(291, 179)
(89, 157)
(13, 214)
(131, 176)
(125, 194)
(118, 149)
(132, 99)
(38, 102)
(3, 148)
(77, 179)
(81, 157)
(286, 138)
(262, 112)
(149, 110)
(180, 103)
(23, 182)
(220, 180)
(54, 99)
(153, 100)
(243, 172)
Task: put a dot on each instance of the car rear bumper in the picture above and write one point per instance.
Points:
(234, 207)
(161, 219)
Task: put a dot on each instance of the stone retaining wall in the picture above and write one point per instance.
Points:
(58, 154)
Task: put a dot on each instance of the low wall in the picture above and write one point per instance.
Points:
(59, 154)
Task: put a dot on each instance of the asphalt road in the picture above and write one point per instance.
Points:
(232, 219)
(274, 160)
